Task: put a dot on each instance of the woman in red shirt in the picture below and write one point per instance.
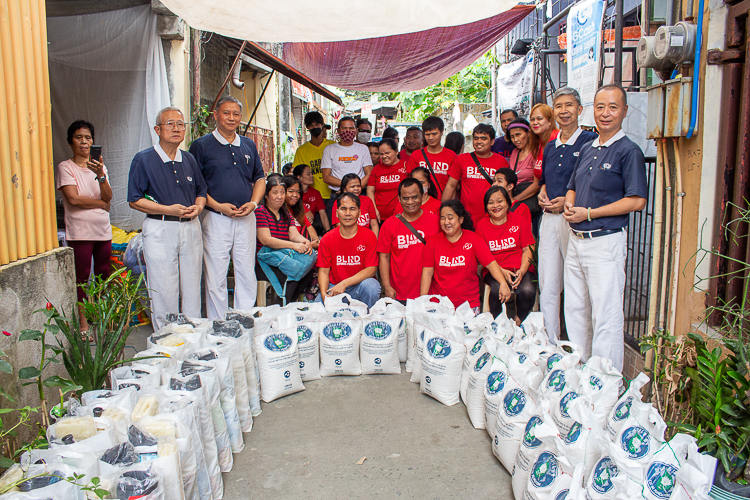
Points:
(385, 177)
(508, 235)
(311, 197)
(296, 209)
(368, 218)
(449, 263)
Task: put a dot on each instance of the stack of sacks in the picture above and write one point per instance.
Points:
(226, 340)
(309, 324)
(252, 375)
(427, 304)
(276, 347)
(389, 308)
(44, 481)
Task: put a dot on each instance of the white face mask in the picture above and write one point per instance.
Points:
(364, 136)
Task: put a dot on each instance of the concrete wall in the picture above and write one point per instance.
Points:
(25, 286)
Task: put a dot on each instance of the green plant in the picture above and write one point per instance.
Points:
(34, 374)
(200, 122)
(109, 307)
(17, 477)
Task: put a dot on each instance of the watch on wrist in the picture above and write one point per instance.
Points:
(102, 179)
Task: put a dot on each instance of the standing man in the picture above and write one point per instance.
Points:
(364, 131)
(166, 184)
(501, 146)
(608, 182)
(560, 158)
(412, 142)
(401, 241)
(435, 158)
(347, 259)
(475, 171)
(345, 157)
(235, 181)
(311, 153)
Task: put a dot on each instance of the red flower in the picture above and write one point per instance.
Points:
(7, 334)
(718, 429)
(49, 306)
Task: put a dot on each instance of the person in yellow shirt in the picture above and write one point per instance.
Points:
(311, 152)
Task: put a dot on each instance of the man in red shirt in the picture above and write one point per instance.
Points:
(400, 249)
(412, 142)
(347, 258)
(475, 171)
(440, 158)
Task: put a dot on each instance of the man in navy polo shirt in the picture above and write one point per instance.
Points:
(235, 180)
(560, 158)
(609, 182)
(166, 184)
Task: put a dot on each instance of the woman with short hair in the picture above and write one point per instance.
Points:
(382, 188)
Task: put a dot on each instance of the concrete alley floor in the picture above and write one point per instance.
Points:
(307, 445)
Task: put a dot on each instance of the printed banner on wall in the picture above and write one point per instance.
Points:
(515, 84)
(584, 52)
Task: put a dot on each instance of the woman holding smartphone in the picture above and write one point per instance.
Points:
(84, 184)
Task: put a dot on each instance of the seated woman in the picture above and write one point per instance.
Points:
(368, 218)
(382, 188)
(311, 198)
(449, 263)
(296, 209)
(508, 235)
(429, 191)
(276, 229)
(506, 177)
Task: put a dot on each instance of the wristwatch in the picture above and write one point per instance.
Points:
(102, 179)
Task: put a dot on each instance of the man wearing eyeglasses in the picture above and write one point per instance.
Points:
(235, 181)
(166, 184)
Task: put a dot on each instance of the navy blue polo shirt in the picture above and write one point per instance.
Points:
(170, 182)
(559, 161)
(230, 169)
(606, 174)
(502, 147)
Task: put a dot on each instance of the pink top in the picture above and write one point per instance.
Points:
(90, 224)
(525, 168)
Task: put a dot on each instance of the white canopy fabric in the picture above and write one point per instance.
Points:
(330, 20)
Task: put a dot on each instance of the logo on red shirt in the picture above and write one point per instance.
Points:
(474, 173)
(467, 246)
(452, 261)
(439, 167)
(513, 229)
(407, 240)
(502, 244)
(390, 178)
(347, 260)
(361, 248)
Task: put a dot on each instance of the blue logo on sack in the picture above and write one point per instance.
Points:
(565, 403)
(477, 346)
(495, 382)
(623, 409)
(482, 361)
(427, 379)
(378, 361)
(556, 380)
(377, 330)
(660, 479)
(277, 342)
(562, 495)
(636, 442)
(303, 334)
(529, 436)
(337, 331)
(521, 358)
(438, 348)
(596, 382)
(301, 365)
(497, 441)
(300, 318)
(552, 360)
(573, 434)
(514, 402)
(287, 374)
(604, 471)
(338, 362)
(544, 471)
(338, 314)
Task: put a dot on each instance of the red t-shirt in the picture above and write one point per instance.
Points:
(441, 164)
(473, 183)
(403, 155)
(345, 258)
(366, 212)
(540, 156)
(455, 266)
(313, 201)
(385, 180)
(507, 241)
(406, 251)
(521, 209)
(431, 205)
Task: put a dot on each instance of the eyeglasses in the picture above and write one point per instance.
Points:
(171, 125)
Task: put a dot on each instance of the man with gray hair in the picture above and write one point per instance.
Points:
(560, 157)
(166, 184)
(235, 182)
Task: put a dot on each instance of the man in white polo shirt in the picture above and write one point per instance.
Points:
(345, 157)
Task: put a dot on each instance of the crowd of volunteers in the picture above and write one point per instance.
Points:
(540, 208)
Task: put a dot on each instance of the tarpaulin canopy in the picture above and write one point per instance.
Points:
(409, 61)
(330, 20)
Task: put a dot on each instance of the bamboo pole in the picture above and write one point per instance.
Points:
(48, 124)
(34, 226)
(658, 232)
(8, 250)
(14, 160)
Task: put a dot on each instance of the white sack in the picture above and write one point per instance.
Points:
(600, 380)
(424, 304)
(278, 360)
(344, 302)
(339, 344)
(252, 376)
(388, 307)
(622, 408)
(442, 361)
(537, 428)
(474, 394)
(519, 404)
(231, 348)
(379, 344)
(641, 434)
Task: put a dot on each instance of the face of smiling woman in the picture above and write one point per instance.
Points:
(450, 222)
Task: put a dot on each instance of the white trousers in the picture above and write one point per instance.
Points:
(594, 294)
(224, 236)
(554, 233)
(173, 253)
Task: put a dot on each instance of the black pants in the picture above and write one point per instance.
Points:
(293, 288)
(523, 301)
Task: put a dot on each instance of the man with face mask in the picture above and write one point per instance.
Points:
(345, 157)
(311, 152)
(364, 131)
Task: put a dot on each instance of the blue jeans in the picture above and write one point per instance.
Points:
(367, 291)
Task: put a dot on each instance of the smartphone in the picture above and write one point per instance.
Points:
(96, 152)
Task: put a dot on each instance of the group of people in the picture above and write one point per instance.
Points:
(359, 217)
